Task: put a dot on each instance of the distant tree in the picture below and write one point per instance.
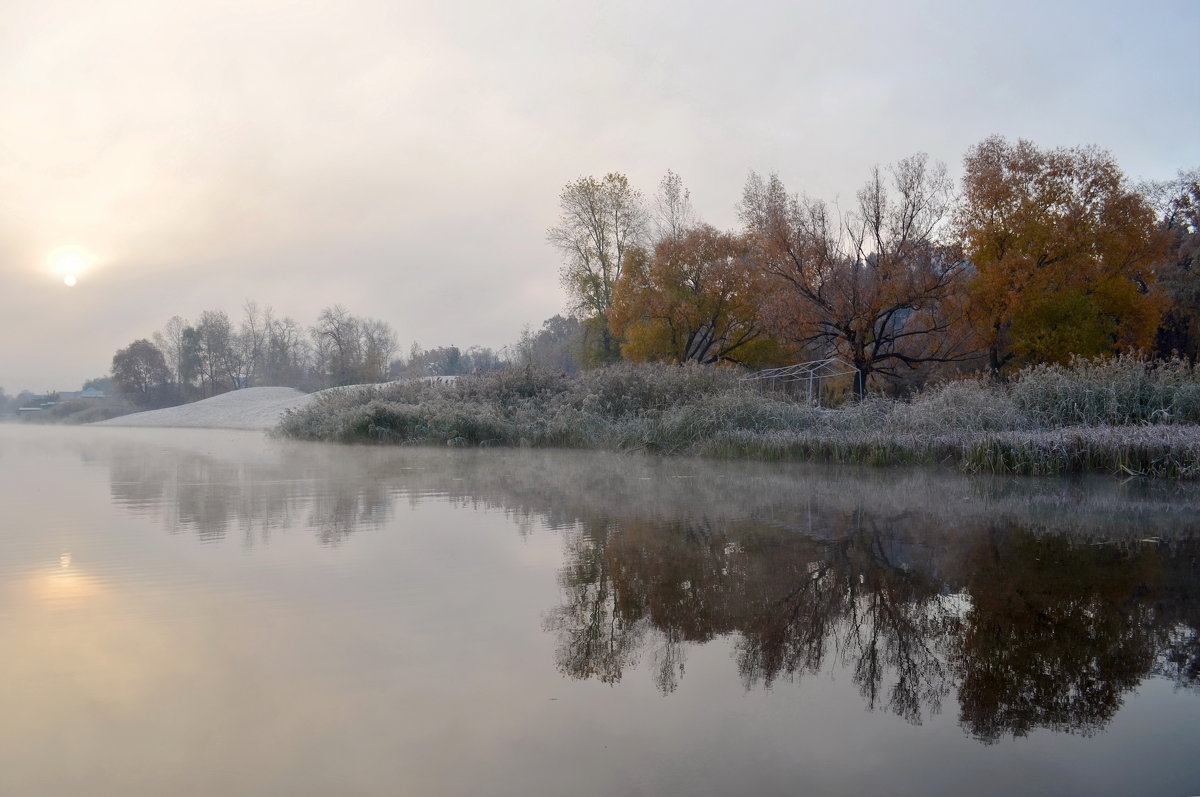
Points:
(673, 212)
(696, 300)
(288, 354)
(602, 222)
(140, 374)
(879, 288)
(101, 383)
(351, 350)
(1178, 204)
(378, 346)
(191, 364)
(482, 360)
(170, 341)
(219, 362)
(1064, 251)
(252, 341)
(446, 361)
(558, 345)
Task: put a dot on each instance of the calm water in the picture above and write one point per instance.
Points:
(204, 613)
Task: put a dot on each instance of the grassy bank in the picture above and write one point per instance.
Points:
(1119, 416)
(80, 411)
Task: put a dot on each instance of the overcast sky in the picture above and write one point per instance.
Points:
(405, 159)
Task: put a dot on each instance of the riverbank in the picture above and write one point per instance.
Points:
(1123, 417)
(251, 408)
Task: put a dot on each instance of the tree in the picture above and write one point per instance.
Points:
(288, 354)
(170, 341)
(102, 383)
(219, 364)
(558, 345)
(140, 373)
(673, 213)
(695, 301)
(601, 224)
(1063, 251)
(252, 342)
(351, 350)
(1178, 204)
(879, 287)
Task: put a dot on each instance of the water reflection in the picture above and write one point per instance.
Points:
(201, 492)
(1028, 604)
(1028, 630)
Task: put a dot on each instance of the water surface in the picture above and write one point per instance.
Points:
(204, 612)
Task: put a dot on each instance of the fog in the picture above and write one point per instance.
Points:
(404, 160)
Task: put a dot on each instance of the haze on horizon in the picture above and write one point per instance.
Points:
(405, 159)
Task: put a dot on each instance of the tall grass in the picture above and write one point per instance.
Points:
(1123, 416)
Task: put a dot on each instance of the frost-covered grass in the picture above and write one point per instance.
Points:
(1120, 416)
(80, 411)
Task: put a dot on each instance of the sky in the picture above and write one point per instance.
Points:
(404, 159)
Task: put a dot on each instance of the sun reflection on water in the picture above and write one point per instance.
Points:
(64, 586)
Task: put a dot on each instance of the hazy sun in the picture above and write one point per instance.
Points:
(69, 262)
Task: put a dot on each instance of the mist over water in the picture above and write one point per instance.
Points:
(202, 612)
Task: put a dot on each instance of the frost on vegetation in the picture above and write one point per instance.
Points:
(1122, 416)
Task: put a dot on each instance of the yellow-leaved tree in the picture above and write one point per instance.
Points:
(696, 300)
(1063, 251)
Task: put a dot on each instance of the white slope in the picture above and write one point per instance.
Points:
(251, 408)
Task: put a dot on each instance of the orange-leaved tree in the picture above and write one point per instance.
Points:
(1063, 251)
(879, 287)
(696, 300)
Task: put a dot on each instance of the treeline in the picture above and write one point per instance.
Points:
(191, 360)
(1038, 256)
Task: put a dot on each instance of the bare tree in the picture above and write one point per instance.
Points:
(877, 287)
(673, 212)
(349, 350)
(171, 342)
(252, 341)
(288, 353)
(218, 362)
(601, 223)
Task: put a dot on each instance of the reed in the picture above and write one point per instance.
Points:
(1122, 416)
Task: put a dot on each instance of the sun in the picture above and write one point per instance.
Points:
(70, 262)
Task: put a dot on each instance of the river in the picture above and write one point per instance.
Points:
(201, 612)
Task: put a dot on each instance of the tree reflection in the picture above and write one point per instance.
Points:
(1037, 604)
(1029, 630)
(210, 496)
(598, 637)
(1057, 633)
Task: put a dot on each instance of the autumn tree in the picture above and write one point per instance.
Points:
(696, 300)
(878, 287)
(140, 374)
(1063, 251)
(602, 223)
